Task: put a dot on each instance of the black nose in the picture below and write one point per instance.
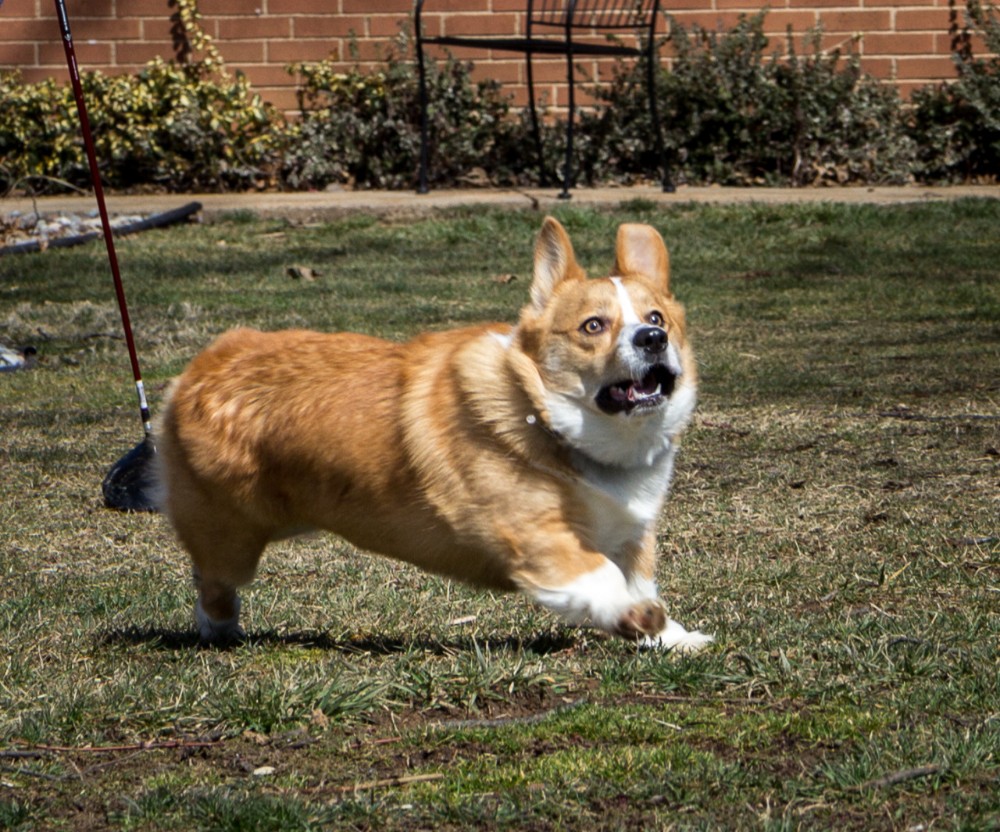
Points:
(652, 339)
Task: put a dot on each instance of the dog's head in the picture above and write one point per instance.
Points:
(612, 354)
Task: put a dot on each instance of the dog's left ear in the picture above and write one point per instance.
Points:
(640, 250)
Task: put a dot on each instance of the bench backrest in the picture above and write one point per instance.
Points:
(593, 14)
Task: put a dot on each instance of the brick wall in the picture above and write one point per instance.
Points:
(904, 41)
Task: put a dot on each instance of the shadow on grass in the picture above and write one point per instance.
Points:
(378, 645)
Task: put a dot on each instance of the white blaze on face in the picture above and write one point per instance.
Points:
(629, 316)
(635, 361)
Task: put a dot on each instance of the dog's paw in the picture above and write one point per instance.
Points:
(642, 619)
(674, 637)
(220, 633)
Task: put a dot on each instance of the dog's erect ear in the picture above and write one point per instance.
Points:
(640, 250)
(554, 262)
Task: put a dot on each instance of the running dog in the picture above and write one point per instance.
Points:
(533, 457)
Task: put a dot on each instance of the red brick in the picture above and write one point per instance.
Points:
(907, 88)
(340, 26)
(432, 25)
(506, 72)
(869, 20)
(88, 55)
(710, 21)
(142, 53)
(387, 26)
(809, 5)
(384, 6)
(549, 70)
(450, 6)
(254, 28)
(91, 8)
(474, 24)
(28, 30)
(265, 75)
(898, 43)
(242, 51)
(222, 8)
(777, 23)
(847, 44)
(157, 29)
(146, 8)
(100, 29)
(933, 68)
(35, 75)
(699, 6)
(882, 68)
(284, 98)
(300, 7)
(922, 19)
(979, 48)
(18, 56)
(296, 51)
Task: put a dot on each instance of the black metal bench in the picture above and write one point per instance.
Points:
(553, 27)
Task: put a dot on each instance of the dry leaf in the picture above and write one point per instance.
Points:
(301, 273)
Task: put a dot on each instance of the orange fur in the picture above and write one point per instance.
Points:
(440, 451)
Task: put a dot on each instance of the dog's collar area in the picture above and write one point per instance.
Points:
(533, 419)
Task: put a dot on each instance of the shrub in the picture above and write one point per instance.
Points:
(732, 112)
(733, 116)
(957, 125)
(364, 129)
(176, 127)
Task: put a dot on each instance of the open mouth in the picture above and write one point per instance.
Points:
(648, 392)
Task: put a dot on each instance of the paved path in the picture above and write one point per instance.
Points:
(326, 205)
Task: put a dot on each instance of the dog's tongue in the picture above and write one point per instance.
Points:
(642, 389)
(635, 390)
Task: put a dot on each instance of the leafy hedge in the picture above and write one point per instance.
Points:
(733, 113)
(180, 128)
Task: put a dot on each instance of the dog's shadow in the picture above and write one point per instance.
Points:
(375, 645)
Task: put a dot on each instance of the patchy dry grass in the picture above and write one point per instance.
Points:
(835, 521)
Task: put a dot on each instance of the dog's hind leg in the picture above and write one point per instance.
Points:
(225, 549)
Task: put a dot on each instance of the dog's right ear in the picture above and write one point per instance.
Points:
(554, 263)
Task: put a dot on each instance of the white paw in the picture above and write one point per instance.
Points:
(675, 637)
(211, 631)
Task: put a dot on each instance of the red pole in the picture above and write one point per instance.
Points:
(95, 176)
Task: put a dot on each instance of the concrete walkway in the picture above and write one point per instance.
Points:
(331, 204)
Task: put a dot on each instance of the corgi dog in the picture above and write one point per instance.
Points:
(533, 457)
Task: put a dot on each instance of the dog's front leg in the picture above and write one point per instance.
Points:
(673, 635)
(591, 589)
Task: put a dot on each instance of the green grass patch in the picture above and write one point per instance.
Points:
(834, 521)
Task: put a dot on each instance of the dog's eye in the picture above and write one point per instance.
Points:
(593, 326)
(655, 318)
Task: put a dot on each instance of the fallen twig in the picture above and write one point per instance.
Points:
(504, 721)
(113, 749)
(389, 782)
(900, 777)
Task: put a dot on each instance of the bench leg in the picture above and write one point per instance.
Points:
(661, 153)
(568, 169)
(422, 186)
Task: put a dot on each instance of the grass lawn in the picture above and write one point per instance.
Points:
(835, 521)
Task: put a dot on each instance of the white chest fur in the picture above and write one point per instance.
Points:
(622, 503)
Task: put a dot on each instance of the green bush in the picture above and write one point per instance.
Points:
(176, 127)
(364, 129)
(732, 111)
(957, 125)
(734, 116)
